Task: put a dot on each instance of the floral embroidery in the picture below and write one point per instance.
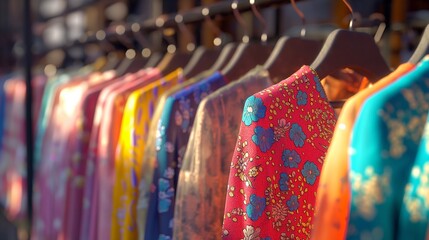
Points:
(159, 134)
(297, 135)
(254, 110)
(291, 158)
(302, 98)
(165, 194)
(256, 207)
(264, 138)
(295, 132)
(310, 172)
(280, 130)
(292, 203)
(284, 178)
(250, 233)
(183, 115)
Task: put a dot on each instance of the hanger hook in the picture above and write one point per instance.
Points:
(301, 15)
(237, 15)
(216, 30)
(185, 30)
(351, 13)
(264, 35)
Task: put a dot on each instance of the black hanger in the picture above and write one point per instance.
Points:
(289, 54)
(422, 49)
(173, 61)
(349, 49)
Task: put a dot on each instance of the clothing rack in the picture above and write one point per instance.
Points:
(163, 21)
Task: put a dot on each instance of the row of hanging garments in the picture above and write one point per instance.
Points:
(297, 140)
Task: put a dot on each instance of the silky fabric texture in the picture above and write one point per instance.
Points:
(333, 194)
(415, 208)
(149, 156)
(138, 112)
(107, 142)
(52, 176)
(78, 143)
(284, 135)
(173, 133)
(201, 191)
(89, 212)
(383, 149)
(45, 112)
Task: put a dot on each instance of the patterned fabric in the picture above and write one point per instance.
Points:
(106, 147)
(149, 156)
(173, 133)
(333, 194)
(45, 112)
(88, 221)
(138, 111)
(53, 171)
(204, 174)
(383, 150)
(414, 214)
(78, 143)
(284, 135)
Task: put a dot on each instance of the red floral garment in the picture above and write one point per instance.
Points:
(284, 135)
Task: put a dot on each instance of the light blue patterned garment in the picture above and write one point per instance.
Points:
(384, 146)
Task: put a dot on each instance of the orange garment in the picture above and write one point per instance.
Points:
(333, 194)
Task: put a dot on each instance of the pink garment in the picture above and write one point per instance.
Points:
(77, 149)
(108, 138)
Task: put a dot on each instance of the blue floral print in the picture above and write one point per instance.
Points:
(253, 110)
(264, 138)
(319, 86)
(183, 115)
(297, 135)
(292, 203)
(165, 194)
(283, 182)
(302, 98)
(160, 132)
(310, 172)
(291, 158)
(256, 207)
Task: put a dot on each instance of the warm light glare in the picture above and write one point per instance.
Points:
(130, 53)
(205, 11)
(234, 5)
(120, 30)
(159, 22)
(171, 48)
(245, 39)
(190, 47)
(252, 2)
(146, 52)
(264, 37)
(217, 41)
(100, 35)
(178, 18)
(135, 27)
(50, 70)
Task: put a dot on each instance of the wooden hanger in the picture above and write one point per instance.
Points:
(154, 59)
(422, 49)
(172, 61)
(201, 60)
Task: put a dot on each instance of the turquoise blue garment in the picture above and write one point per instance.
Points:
(415, 209)
(173, 133)
(383, 149)
(45, 112)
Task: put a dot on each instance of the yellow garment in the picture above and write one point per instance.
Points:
(129, 153)
(150, 151)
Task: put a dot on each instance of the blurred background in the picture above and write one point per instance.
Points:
(61, 29)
